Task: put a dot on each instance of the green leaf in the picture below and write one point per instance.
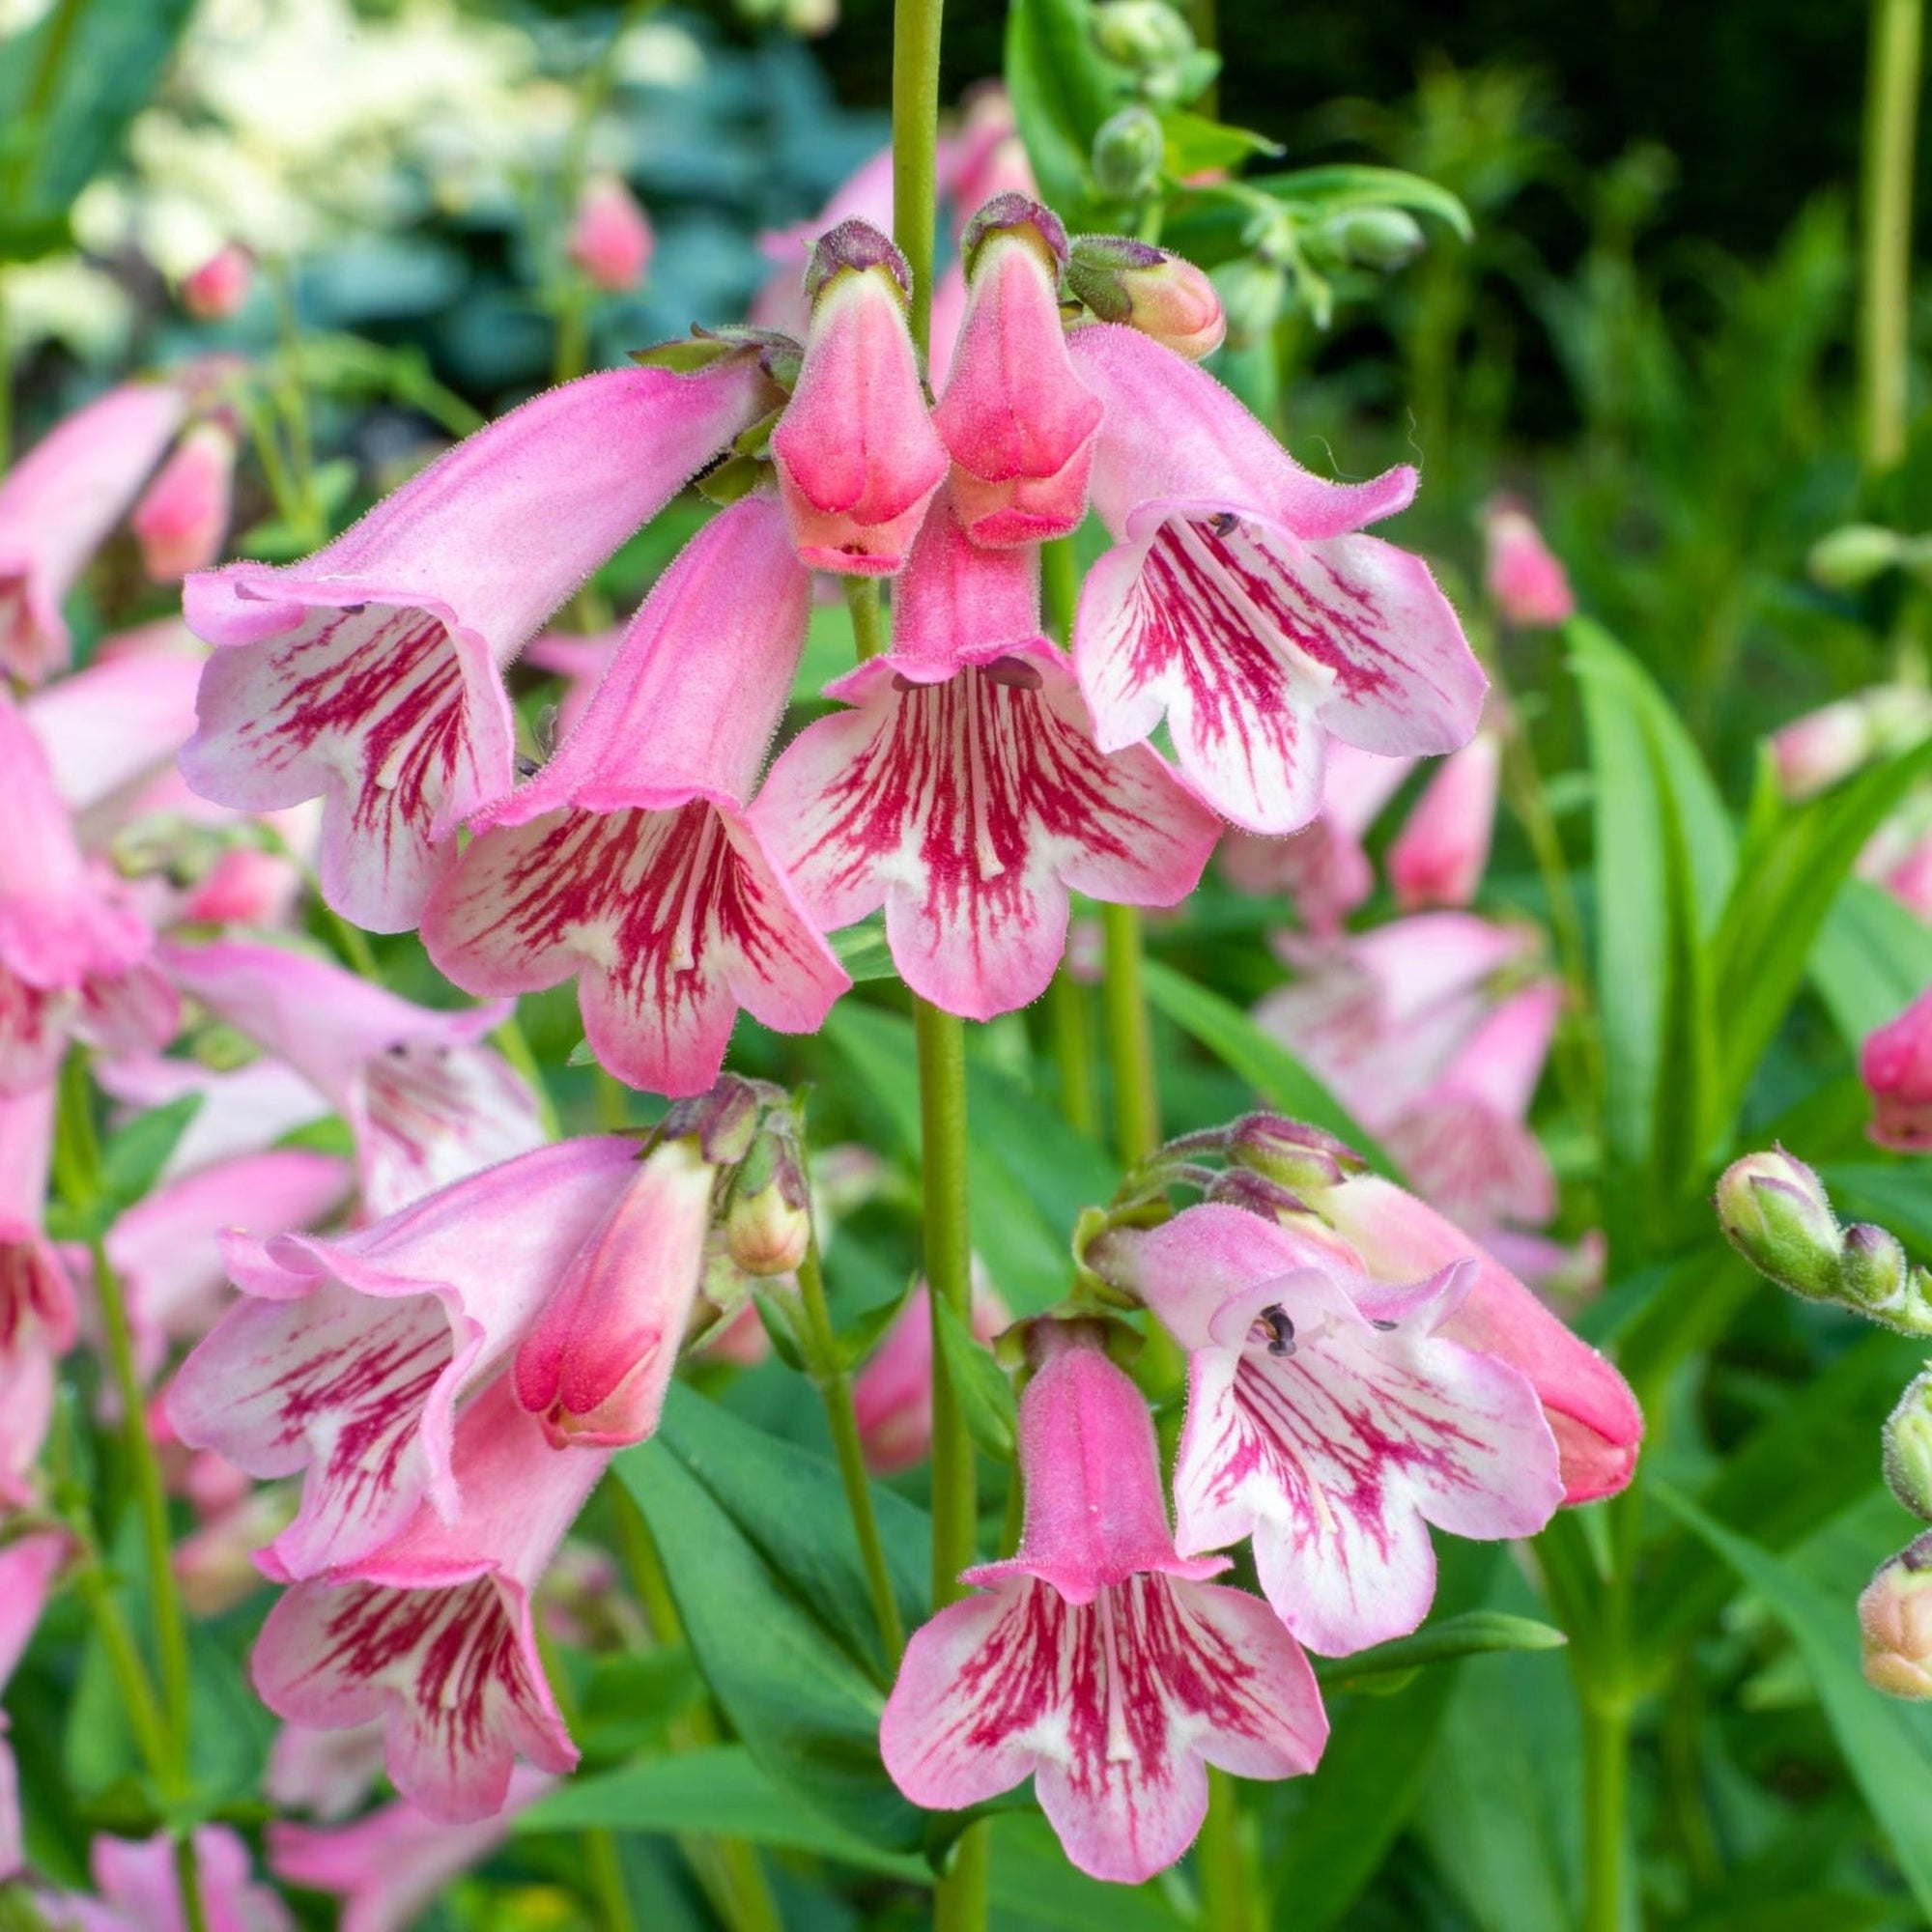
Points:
(133, 1156)
(1192, 144)
(1062, 89)
(985, 1395)
(1280, 1079)
(629, 1701)
(861, 1335)
(1439, 1642)
(862, 950)
(1032, 1885)
(1336, 190)
(1883, 1754)
(1872, 958)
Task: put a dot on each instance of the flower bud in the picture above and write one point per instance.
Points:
(1521, 572)
(1776, 1212)
(220, 287)
(1896, 1624)
(1895, 1064)
(1377, 237)
(1907, 1448)
(1145, 288)
(768, 1225)
(610, 237)
(1850, 556)
(1128, 151)
(183, 516)
(1874, 1276)
(1142, 33)
(1303, 1159)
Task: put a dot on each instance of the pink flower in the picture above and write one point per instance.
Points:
(218, 288)
(1098, 1662)
(628, 859)
(857, 456)
(1151, 290)
(28, 1567)
(56, 505)
(1331, 1418)
(425, 1099)
(241, 1112)
(1240, 601)
(326, 1773)
(581, 662)
(432, 1635)
(140, 1887)
(388, 1867)
(1588, 1404)
(1520, 572)
(1895, 1063)
(36, 1303)
(965, 792)
(350, 1356)
(183, 516)
(369, 674)
(891, 1395)
(595, 1366)
(610, 237)
(1442, 851)
(1016, 420)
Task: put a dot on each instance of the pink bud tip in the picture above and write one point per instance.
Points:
(220, 287)
(612, 239)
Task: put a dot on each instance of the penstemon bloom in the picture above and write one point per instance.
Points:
(1895, 1063)
(36, 1306)
(139, 1882)
(1440, 853)
(1521, 572)
(610, 237)
(28, 1567)
(183, 515)
(964, 790)
(1097, 1661)
(891, 1395)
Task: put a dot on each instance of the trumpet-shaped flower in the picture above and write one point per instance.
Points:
(629, 861)
(1519, 571)
(1241, 602)
(1097, 1660)
(1440, 856)
(138, 1882)
(610, 237)
(432, 1633)
(183, 515)
(349, 1358)
(368, 674)
(56, 505)
(426, 1101)
(1330, 1418)
(891, 1395)
(965, 792)
(1895, 1063)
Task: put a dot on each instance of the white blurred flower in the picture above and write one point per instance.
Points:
(62, 300)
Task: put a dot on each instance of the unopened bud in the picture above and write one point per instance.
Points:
(768, 1225)
(1896, 1624)
(1127, 153)
(1142, 33)
(1907, 1448)
(220, 287)
(1851, 557)
(1303, 1159)
(855, 247)
(1376, 238)
(1873, 1274)
(1776, 1212)
(724, 1119)
(1015, 213)
(1253, 294)
(1127, 281)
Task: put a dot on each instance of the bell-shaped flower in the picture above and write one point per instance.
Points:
(183, 516)
(1521, 572)
(1097, 1660)
(1331, 1420)
(369, 674)
(432, 1633)
(28, 1567)
(964, 790)
(390, 1867)
(137, 1883)
(1241, 603)
(628, 859)
(1589, 1407)
(1440, 853)
(891, 1395)
(56, 505)
(595, 1366)
(610, 237)
(348, 1357)
(856, 453)
(1016, 420)
(1895, 1064)
(425, 1099)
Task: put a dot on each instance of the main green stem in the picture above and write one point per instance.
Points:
(1891, 121)
(1605, 1797)
(1129, 1036)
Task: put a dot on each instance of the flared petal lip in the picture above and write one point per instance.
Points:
(854, 686)
(1081, 1586)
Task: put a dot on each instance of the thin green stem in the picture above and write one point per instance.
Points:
(959, 1901)
(1072, 1052)
(187, 1876)
(573, 329)
(1060, 587)
(604, 1868)
(916, 149)
(868, 624)
(1605, 1803)
(293, 404)
(1228, 1893)
(835, 1388)
(61, 25)
(351, 942)
(1129, 1036)
(613, 1103)
(1892, 123)
(124, 1661)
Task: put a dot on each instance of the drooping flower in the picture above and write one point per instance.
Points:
(630, 859)
(1097, 1660)
(856, 453)
(183, 516)
(350, 1356)
(28, 1567)
(425, 1099)
(56, 505)
(1016, 420)
(965, 792)
(430, 1634)
(1895, 1064)
(1440, 853)
(610, 237)
(891, 1395)
(1520, 570)
(1332, 1419)
(1241, 602)
(138, 1882)
(369, 674)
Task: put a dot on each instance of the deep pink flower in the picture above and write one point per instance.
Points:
(1895, 1064)
(1521, 572)
(628, 859)
(183, 516)
(1588, 1404)
(610, 237)
(1097, 1661)
(1016, 420)
(891, 1395)
(218, 288)
(1442, 851)
(369, 674)
(426, 1100)
(139, 1888)
(856, 453)
(56, 505)
(28, 1567)
(388, 1867)
(1331, 1419)
(1241, 603)
(349, 1355)
(964, 790)
(432, 1633)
